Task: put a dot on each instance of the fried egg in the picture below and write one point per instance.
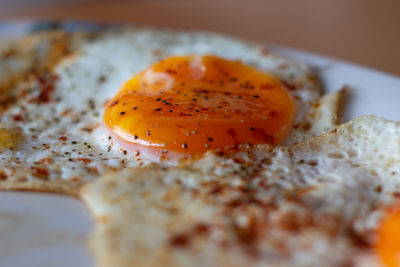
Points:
(127, 99)
(317, 203)
(388, 237)
(188, 105)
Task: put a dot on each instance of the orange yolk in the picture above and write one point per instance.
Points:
(388, 245)
(186, 105)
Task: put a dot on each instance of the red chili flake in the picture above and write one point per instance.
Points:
(234, 203)
(47, 85)
(18, 117)
(216, 190)
(170, 71)
(24, 92)
(46, 161)
(114, 103)
(273, 113)
(248, 233)
(41, 173)
(288, 85)
(267, 86)
(291, 222)
(201, 228)
(268, 138)
(89, 128)
(3, 175)
(84, 160)
(63, 138)
(179, 240)
(65, 112)
(93, 170)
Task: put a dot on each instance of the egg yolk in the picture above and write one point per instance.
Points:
(186, 105)
(388, 245)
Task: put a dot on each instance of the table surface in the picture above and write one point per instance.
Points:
(366, 32)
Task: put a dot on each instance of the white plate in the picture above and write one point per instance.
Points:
(49, 230)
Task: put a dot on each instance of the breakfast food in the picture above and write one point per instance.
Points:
(388, 241)
(316, 203)
(57, 85)
(190, 104)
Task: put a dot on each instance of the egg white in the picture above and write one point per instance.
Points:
(59, 147)
(317, 203)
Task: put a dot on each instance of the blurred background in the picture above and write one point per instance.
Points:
(366, 32)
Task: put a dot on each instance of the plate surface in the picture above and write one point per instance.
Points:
(50, 230)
